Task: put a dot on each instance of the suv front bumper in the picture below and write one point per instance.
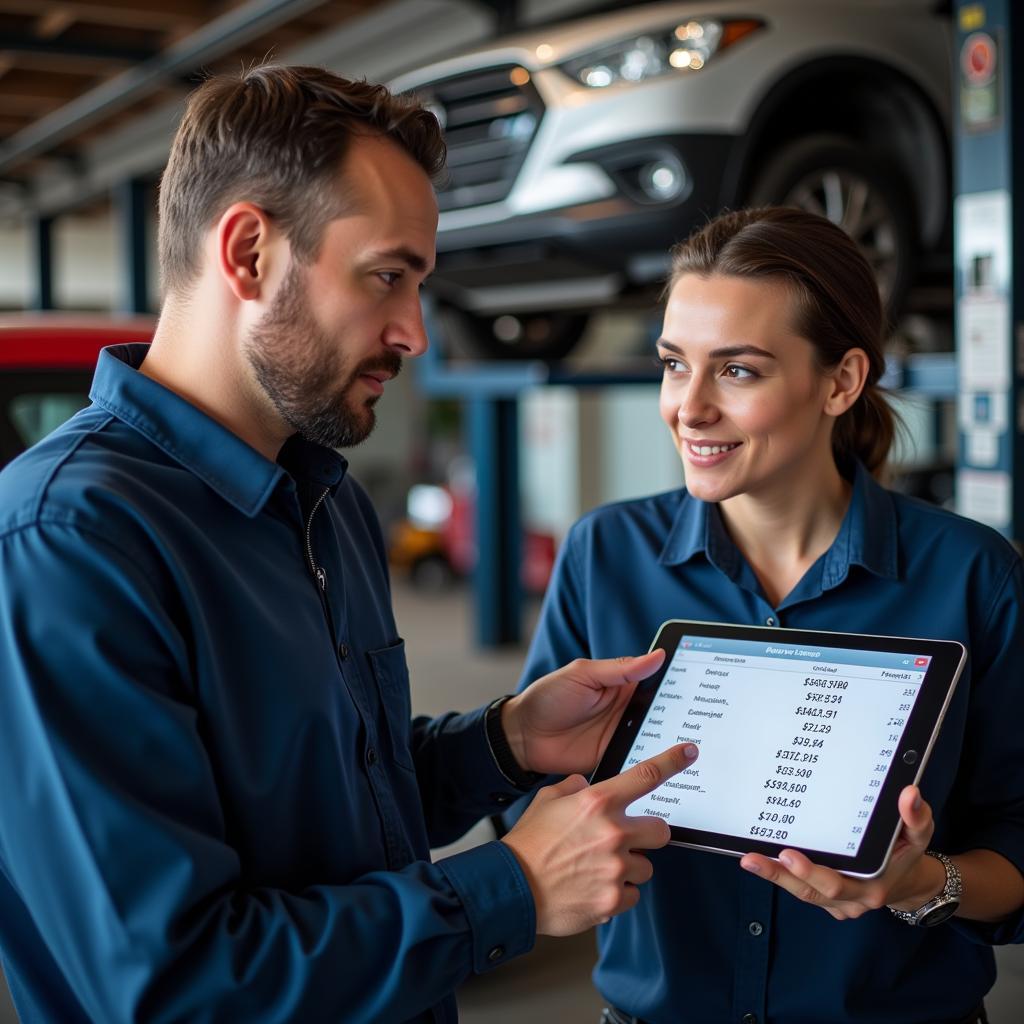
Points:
(578, 255)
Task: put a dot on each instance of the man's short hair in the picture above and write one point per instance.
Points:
(276, 136)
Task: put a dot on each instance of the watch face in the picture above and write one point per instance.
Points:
(943, 912)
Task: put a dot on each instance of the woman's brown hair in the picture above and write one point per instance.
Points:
(836, 302)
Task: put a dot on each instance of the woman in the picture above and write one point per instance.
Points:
(771, 355)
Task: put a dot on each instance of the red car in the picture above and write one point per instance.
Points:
(46, 367)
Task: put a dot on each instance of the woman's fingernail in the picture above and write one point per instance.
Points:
(690, 750)
(917, 802)
(786, 859)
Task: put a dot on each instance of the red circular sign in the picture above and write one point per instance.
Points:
(978, 58)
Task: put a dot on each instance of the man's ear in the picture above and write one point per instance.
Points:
(847, 381)
(244, 236)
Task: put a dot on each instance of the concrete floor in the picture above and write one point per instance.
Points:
(553, 982)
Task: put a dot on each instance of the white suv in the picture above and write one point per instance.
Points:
(580, 151)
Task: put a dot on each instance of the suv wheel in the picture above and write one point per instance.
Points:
(831, 176)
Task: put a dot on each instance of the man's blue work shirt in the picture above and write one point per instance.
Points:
(710, 943)
(215, 807)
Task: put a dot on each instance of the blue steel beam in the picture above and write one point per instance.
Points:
(42, 262)
(132, 200)
(494, 442)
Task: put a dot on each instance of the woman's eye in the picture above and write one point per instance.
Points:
(389, 277)
(740, 372)
(669, 363)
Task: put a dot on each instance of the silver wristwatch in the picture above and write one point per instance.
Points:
(943, 906)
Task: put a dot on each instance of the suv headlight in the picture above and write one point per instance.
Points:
(687, 46)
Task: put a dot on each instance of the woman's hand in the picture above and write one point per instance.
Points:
(562, 723)
(908, 882)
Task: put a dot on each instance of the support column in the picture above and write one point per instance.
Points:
(42, 261)
(131, 201)
(494, 442)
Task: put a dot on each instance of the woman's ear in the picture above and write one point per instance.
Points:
(846, 380)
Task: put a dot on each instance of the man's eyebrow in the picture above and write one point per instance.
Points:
(408, 256)
(729, 352)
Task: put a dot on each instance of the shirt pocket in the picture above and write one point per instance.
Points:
(392, 676)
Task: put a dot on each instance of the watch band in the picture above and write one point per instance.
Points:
(940, 908)
(504, 759)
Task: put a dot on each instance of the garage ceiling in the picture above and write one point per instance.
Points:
(73, 71)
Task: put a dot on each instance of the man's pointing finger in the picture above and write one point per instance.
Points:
(648, 775)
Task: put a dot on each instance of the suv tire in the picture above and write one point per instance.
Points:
(856, 189)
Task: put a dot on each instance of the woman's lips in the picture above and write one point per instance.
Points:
(707, 454)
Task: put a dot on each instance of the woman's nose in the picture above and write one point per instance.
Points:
(696, 406)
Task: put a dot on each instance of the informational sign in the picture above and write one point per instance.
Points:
(979, 82)
(985, 496)
(984, 418)
(985, 367)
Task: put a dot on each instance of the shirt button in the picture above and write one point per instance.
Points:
(755, 928)
(343, 651)
(770, 621)
(501, 799)
(496, 954)
(371, 756)
(749, 1018)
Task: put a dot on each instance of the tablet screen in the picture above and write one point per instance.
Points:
(795, 741)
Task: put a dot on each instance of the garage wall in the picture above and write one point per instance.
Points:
(581, 449)
(15, 269)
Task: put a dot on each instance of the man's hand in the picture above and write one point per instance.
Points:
(908, 882)
(562, 722)
(578, 847)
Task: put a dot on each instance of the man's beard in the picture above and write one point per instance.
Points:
(298, 366)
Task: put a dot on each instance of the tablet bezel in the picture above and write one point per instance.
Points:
(945, 667)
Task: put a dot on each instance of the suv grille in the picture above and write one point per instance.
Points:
(489, 119)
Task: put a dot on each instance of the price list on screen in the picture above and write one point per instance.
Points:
(795, 743)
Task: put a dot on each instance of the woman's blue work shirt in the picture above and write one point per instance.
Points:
(711, 943)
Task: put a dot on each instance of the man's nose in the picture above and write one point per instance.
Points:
(406, 330)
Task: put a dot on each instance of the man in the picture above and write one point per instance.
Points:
(215, 806)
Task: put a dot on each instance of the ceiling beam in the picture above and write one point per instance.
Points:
(357, 46)
(16, 43)
(221, 36)
(10, 124)
(28, 84)
(54, 22)
(123, 13)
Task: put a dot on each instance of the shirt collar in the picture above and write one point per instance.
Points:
(697, 530)
(235, 470)
(867, 536)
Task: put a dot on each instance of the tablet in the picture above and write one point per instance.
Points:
(806, 738)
